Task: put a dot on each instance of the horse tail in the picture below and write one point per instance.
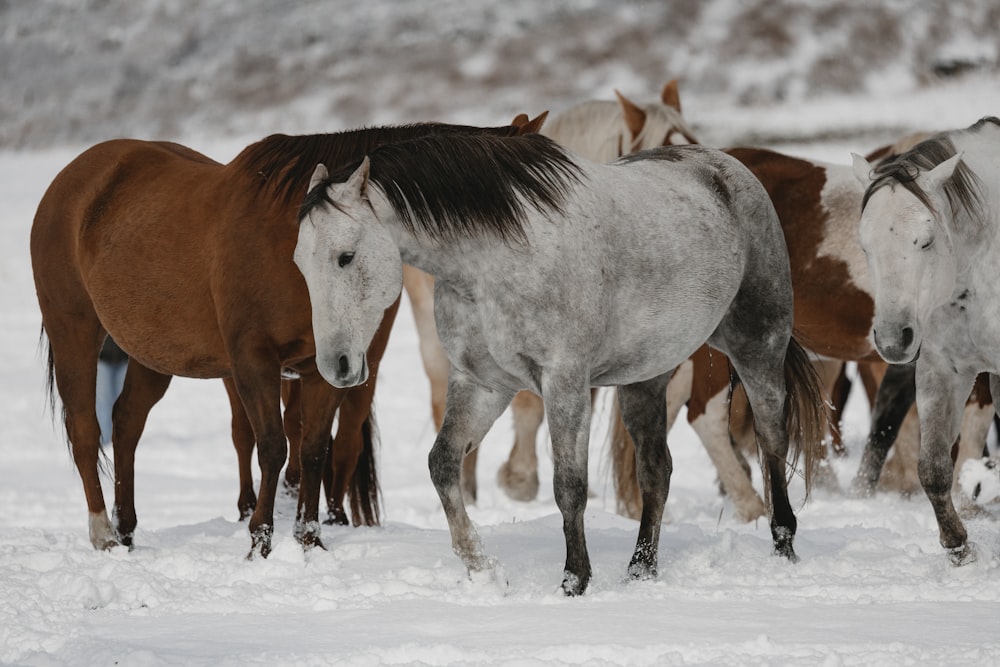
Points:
(806, 413)
(628, 499)
(364, 487)
(50, 370)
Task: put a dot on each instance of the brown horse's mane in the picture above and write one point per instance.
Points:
(286, 162)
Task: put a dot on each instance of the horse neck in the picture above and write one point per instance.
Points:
(594, 130)
(446, 260)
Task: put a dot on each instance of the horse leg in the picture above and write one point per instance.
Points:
(977, 417)
(73, 350)
(708, 414)
(258, 386)
(568, 408)
(472, 409)
(243, 442)
(518, 476)
(895, 395)
(419, 288)
(318, 404)
(622, 450)
(643, 409)
(941, 398)
(143, 388)
(291, 397)
(840, 391)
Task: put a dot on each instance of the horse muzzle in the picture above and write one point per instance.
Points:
(343, 370)
(898, 345)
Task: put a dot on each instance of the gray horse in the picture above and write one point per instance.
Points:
(555, 274)
(930, 228)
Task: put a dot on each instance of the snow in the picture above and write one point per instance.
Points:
(873, 586)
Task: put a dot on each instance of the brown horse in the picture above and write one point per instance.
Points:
(187, 264)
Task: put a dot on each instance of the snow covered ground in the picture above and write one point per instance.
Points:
(873, 586)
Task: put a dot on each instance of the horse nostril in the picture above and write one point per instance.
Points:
(907, 336)
(345, 365)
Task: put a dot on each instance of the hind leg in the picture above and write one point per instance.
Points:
(472, 410)
(74, 346)
(142, 390)
(518, 476)
(243, 442)
(895, 395)
(644, 411)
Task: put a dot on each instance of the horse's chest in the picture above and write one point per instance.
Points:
(968, 329)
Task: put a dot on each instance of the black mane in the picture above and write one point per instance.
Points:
(963, 189)
(286, 163)
(465, 186)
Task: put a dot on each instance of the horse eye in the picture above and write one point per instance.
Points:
(345, 259)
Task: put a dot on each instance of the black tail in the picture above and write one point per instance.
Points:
(364, 488)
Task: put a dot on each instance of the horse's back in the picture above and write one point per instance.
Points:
(123, 231)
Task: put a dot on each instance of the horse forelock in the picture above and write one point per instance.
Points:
(469, 186)
(963, 190)
(285, 163)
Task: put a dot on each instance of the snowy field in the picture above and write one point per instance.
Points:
(873, 586)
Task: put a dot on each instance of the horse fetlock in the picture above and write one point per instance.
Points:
(102, 535)
(260, 541)
(336, 516)
(963, 554)
(749, 508)
(307, 533)
(783, 539)
(574, 584)
(519, 485)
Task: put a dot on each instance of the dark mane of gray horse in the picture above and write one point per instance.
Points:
(465, 186)
(286, 162)
(963, 189)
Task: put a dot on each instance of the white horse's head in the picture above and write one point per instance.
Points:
(352, 270)
(910, 253)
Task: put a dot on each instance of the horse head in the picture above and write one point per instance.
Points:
(909, 249)
(352, 270)
(656, 124)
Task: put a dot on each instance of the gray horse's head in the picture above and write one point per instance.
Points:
(910, 253)
(352, 270)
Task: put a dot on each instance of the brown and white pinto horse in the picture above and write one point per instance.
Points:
(601, 131)
(187, 264)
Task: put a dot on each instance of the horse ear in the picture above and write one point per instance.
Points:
(635, 118)
(533, 126)
(320, 174)
(670, 96)
(936, 177)
(862, 169)
(358, 182)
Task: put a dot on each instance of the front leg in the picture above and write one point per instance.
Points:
(941, 398)
(471, 410)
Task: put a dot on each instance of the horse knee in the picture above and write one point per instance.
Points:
(935, 475)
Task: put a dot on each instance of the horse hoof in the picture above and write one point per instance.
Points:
(641, 571)
(260, 542)
(749, 512)
(963, 554)
(783, 539)
(574, 585)
(336, 518)
(517, 485)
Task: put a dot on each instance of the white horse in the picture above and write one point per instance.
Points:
(930, 229)
(555, 274)
(601, 131)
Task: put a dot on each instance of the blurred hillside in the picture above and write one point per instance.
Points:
(84, 70)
